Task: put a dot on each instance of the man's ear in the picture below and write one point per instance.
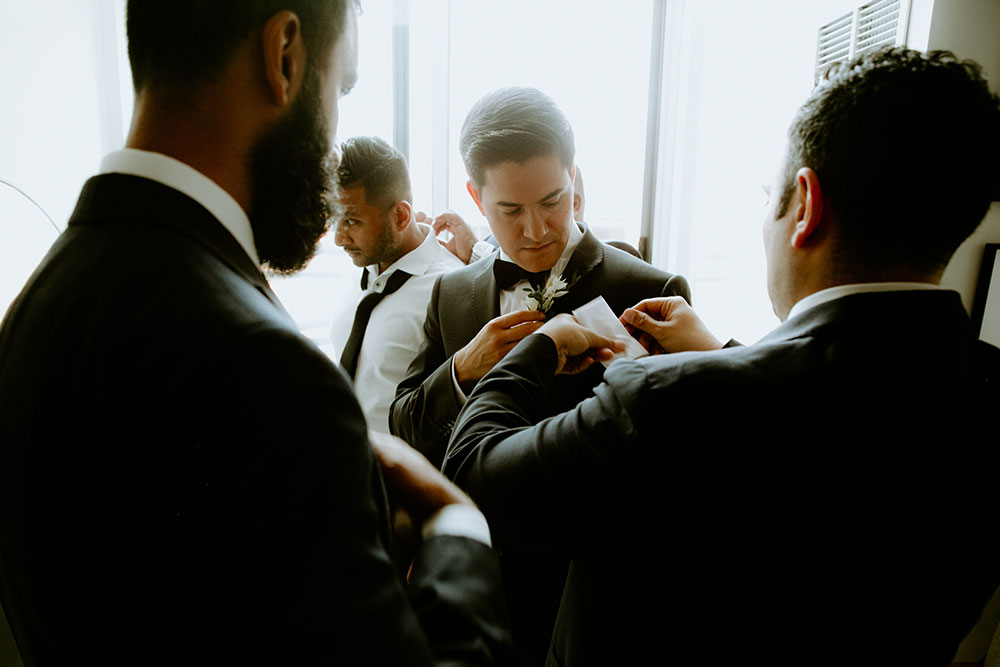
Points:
(402, 215)
(284, 57)
(475, 195)
(807, 203)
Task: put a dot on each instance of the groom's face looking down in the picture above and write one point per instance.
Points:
(518, 150)
(529, 208)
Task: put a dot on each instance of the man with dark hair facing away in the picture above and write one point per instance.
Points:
(379, 333)
(186, 478)
(518, 150)
(826, 496)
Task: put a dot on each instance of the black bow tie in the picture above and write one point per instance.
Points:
(509, 274)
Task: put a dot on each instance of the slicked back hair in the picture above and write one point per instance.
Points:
(182, 43)
(514, 125)
(905, 146)
(378, 167)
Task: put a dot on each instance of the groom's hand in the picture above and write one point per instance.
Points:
(577, 346)
(492, 344)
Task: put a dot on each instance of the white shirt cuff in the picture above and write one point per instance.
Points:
(459, 394)
(460, 521)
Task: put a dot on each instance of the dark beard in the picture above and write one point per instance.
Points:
(294, 185)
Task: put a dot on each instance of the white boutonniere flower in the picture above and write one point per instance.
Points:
(541, 297)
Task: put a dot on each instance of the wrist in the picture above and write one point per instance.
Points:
(465, 377)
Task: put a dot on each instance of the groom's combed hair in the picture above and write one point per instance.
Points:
(514, 125)
(378, 167)
(905, 145)
(179, 43)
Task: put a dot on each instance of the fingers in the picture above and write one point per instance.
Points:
(389, 450)
(515, 318)
(657, 307)
(446, 220)
(512, 328)
(411, 479)
(633, 319)
(514, 335)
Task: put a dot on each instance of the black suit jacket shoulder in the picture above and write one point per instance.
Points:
(796, 500)
(187, 478)
(464, 301)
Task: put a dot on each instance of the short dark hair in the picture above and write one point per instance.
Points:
(905, 146)
(514, 125)
(180, 43)
(378, 167)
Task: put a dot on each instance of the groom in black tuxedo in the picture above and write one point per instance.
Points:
(518, 150)
(184, 477)
(825, 496)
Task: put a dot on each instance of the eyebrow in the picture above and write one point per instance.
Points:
(557, 191)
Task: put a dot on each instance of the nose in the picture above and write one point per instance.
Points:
(535, 226)
(340, 237)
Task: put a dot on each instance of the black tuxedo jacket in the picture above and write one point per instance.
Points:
(823, 497)
(187, 480)
(464, 301)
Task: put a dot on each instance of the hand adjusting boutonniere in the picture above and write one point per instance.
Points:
(541, 297)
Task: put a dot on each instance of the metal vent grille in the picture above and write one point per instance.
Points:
(870, 26)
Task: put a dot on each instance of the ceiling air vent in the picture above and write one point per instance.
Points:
(870, 26)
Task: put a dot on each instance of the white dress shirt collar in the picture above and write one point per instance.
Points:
(839, 291)
(416, 262)
(186, 179)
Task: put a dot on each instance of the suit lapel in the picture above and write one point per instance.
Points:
(484, 296)
(588, 255)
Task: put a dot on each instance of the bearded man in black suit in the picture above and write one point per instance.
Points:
(186, 478)
(800, 500)
(518, 149)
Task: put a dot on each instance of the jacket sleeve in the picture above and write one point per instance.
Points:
(424, 410)
(535, 478)
(677, 285)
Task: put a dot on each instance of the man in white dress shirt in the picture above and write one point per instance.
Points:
(377, 229)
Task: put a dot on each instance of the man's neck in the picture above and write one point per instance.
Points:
(410, 241)
(218, 144)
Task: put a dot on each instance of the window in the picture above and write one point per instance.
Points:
(732, 75)
(592, 58)
(735, 74)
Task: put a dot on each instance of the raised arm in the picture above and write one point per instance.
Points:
(535, 479)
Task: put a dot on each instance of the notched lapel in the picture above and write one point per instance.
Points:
(587, 256)
(485, 296)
